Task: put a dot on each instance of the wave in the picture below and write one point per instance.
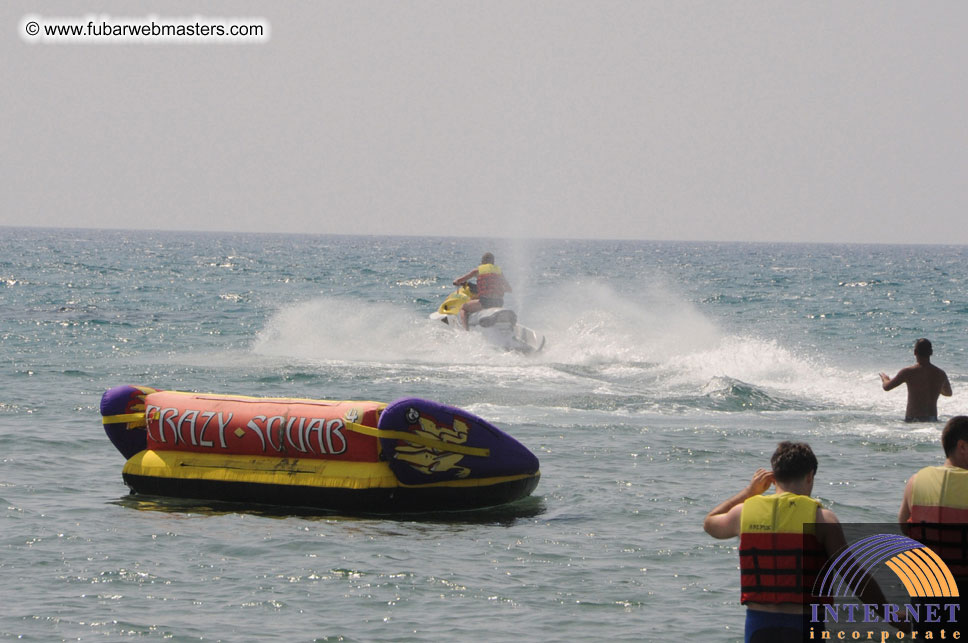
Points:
(728, 394)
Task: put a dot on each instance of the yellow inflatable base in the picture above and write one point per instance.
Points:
(261, 470)
(355, 487)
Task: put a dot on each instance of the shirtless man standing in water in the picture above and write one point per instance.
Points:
(925, 382)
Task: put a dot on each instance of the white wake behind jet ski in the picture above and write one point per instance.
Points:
(499, 326)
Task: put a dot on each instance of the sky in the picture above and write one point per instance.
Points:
(820, 121)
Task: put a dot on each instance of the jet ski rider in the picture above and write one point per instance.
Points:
(491, 286)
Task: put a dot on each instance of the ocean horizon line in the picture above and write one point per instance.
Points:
(448, 237)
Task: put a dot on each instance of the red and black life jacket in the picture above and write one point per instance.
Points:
(939, 514)
(779, 554)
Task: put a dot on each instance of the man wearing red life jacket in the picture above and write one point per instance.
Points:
(491, 286)
(940, 495)
(780, 549)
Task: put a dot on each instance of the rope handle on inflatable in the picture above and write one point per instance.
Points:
(137, 419)
(423, 441)
(134, 420)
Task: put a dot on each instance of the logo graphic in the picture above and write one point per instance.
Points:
(431, 459)
(920, 570)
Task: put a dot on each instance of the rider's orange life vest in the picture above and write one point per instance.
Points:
(779, 554)
(490, 281)
(940, 496)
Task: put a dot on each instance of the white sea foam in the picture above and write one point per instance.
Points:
(340, 329)
(660, 339)
(652, 342)
(594, 324)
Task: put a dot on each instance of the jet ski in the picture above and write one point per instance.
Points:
(499, 326)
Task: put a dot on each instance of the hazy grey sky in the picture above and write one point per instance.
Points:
(806, 121)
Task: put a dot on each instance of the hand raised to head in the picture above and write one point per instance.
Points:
(761, 481)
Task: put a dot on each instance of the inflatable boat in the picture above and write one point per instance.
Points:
(499, 326)
(412, 455)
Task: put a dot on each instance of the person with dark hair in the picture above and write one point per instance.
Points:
(780, 549)
(934, 507)
(792, 461)
(491, 286)
(939, 494)
(925, 383)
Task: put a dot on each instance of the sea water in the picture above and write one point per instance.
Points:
(671, 371)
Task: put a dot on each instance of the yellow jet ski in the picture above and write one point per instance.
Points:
(499, 326)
